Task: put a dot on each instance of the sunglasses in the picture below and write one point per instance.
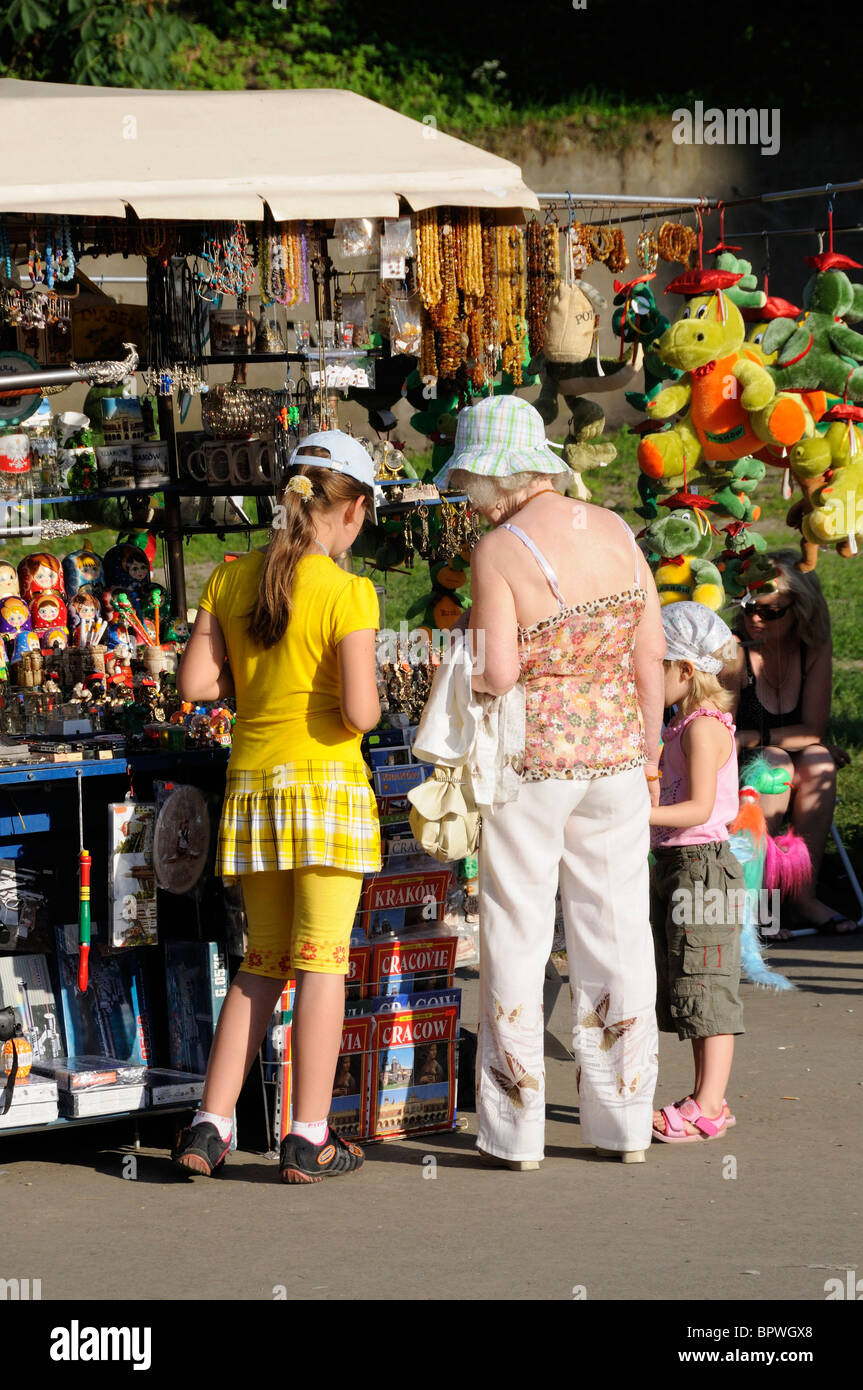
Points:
(768, 614)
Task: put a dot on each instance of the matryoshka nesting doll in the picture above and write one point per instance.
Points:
(126, 567)
(25, 641)
(48, 610)
(82, 569)
(84, 607)
(39, 572)
(14, 616)
(54, 639)
(8, 579)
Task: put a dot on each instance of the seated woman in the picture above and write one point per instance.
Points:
(782, 679)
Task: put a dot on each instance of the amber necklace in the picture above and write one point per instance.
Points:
(538, 493)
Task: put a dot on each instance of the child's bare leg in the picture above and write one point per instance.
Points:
(319, 1014)
(239, 1033)
(717, 1054)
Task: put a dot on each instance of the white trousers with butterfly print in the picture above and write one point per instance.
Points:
(593, 838)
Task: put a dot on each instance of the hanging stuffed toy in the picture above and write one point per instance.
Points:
(443, 607)
(584, 447)
(745, 293)
(638, 321)
(732, 406)
(821, 353)
(746, 571)
(758, 320)
(829, 470)
(733, 485)
(679, 544)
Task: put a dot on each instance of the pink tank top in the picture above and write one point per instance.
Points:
(674, 787)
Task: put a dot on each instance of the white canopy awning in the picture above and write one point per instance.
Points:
(308, 153)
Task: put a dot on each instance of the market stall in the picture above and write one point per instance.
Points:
(93, 640)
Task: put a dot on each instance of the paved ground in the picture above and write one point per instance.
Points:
(676, 1227)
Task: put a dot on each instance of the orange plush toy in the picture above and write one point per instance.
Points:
(731, 402)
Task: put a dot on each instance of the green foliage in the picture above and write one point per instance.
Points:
(97, 42)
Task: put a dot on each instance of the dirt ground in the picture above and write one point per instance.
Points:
(769, 1212)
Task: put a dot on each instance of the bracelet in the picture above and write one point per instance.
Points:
(653, 776)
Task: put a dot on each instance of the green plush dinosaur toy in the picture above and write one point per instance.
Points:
(680, 543)
(637, 319)
(734, 485)
(821, 353)
(732, 406)
(745, 294)
(743, 563)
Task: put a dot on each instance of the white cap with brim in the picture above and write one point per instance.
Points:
(346, 455)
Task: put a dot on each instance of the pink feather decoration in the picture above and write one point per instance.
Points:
(788, 864)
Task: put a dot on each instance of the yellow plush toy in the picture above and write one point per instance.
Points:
(829, 470)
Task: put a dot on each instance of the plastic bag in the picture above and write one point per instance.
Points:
(396, 245)
(356, 234)
(355, 313)
(405, 325)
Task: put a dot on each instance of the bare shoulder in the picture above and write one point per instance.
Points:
(707, 735)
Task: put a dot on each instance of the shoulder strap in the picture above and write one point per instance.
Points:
(633, 543)
(540, 559)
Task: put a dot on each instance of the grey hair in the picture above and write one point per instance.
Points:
(484, 491)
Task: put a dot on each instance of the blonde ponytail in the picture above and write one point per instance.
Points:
(289, 542)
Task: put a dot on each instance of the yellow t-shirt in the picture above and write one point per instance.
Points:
(288, 697)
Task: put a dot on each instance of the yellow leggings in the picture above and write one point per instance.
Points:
(299, 919)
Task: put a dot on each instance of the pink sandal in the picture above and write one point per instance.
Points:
(730, 1120)
(689, 1109)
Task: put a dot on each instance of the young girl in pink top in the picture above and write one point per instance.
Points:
(697, 889)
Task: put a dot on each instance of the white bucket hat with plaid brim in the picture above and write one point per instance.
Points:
(499, 436)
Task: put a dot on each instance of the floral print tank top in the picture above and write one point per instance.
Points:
(582, 714)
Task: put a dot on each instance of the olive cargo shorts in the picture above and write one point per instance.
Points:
(696, 933)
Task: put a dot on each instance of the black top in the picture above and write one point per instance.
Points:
(751, 714)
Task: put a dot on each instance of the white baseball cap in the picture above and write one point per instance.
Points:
(346, 455)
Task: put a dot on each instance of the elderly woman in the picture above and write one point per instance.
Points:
(567, 604)
(782, 682)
